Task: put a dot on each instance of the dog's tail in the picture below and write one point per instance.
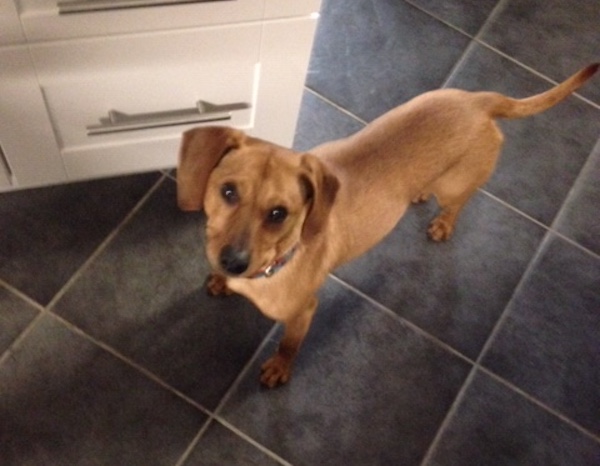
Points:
(505, 107)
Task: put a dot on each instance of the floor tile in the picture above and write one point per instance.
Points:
(48, 233)
(552, 36)
(494, 426)
(369, 56)
(220, 447)
(320, 122)
(367, 390)
(64, 401)
(549, 344)
(579, 219)
(454, 290)
(144, 296)
(467, 15)
(543, 154)
(15, 316)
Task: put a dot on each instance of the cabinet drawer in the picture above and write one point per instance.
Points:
(152, 84)
(60, 19)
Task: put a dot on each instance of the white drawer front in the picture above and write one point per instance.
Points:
(43, 20)
(156, 81)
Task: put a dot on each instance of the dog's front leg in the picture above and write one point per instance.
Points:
(216, 285)
(278, 369)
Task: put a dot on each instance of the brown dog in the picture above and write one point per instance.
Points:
(280, 221)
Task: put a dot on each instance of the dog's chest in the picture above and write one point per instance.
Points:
(266, 293)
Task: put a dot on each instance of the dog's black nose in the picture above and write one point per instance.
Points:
(234, 261)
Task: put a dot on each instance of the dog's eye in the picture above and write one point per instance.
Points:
(277, 215)
(229, 193)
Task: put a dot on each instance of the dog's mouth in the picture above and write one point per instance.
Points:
(237, 263)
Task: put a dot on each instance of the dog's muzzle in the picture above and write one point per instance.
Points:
(234, 261)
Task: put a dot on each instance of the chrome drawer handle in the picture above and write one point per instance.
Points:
(203, 112)
(85, 6)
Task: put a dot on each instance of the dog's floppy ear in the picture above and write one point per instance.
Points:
(200, 152)
(320, 188)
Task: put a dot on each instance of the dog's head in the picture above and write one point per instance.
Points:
(261, 200)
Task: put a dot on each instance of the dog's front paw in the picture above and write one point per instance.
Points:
(440, 229)
(216, 285)
(276, 371)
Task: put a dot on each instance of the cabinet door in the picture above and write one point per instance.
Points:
(290, 8)
(5, 171)
(284, 61)
(120, 104)
(28, 143)
(10, 28)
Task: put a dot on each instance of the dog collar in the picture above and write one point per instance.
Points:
(276, 265)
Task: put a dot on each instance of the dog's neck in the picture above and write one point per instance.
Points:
(276, 265)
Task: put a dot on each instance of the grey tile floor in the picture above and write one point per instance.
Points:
(481, 351)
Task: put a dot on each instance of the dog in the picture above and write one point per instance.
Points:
(278, 221)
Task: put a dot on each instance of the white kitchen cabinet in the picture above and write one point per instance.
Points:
(10, 27)
(110, 92)
(30, 155)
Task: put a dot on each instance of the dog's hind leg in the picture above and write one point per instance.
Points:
(455, 187)
(442, 226)
(423, 197)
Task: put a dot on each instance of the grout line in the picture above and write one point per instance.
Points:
(477, 366)
(251, 441)
(540, 404)
(45, 310)
(457, 66)
(190, 448)
(234, 386)
(477, 39)
(550, 229)
(514, 209)
(404, 321)
(439, 18)
(104, 244)
(449, 416)
(534, 71)
(474, 38)
(17, 341)
(131, 363)
(576, 244)
(489, 341)
(336, 106)
(215, 414)
(585, 170)
(167, 173)
(504, 315)
(21, 295)
(490, 19)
